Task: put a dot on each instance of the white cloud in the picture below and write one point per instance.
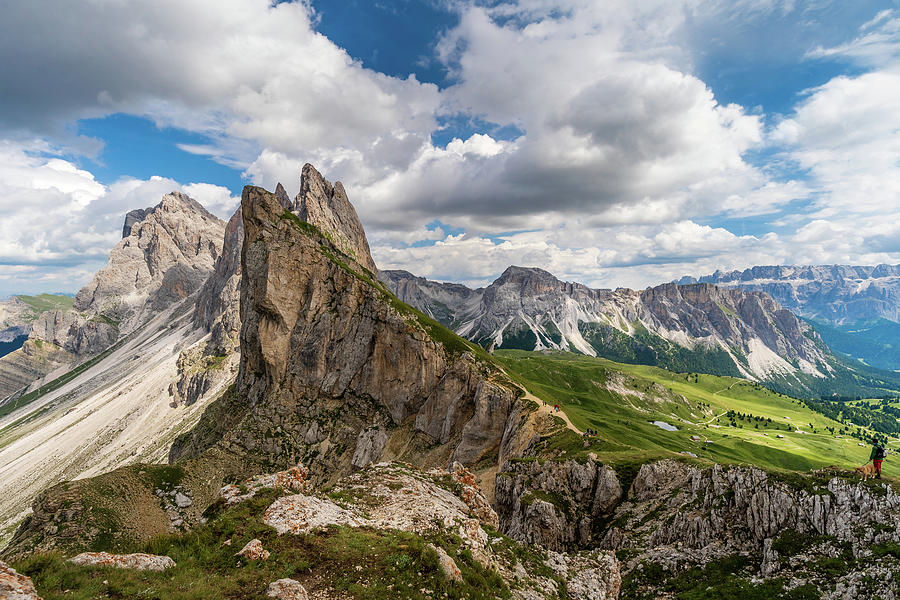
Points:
(59, 223)
(622, 149)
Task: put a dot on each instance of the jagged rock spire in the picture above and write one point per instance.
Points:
(328, 208)
(283, 197)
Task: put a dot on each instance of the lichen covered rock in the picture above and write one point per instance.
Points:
(15, 586)
(253, 550)
(138, 561)
(287, 589)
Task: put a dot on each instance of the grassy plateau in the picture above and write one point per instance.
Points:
(722, 419)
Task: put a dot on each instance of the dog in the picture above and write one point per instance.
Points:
(867, 470)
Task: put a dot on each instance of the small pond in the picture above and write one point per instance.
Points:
(664, 425)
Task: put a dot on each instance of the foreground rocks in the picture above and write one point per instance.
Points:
(387, 496)
(138, 561)
(559, 505)
(287, 589)
(432, 505)
(15, 586)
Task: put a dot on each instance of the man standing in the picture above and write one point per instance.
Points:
(877, 456)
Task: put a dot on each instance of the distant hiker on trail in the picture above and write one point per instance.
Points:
(877, 456)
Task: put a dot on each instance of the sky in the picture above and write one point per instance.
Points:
(614, 143)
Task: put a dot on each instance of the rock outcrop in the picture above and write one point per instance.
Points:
(394, 496)
(327, 207)
(677, 516)
(559, 505)
(137, 561)
(15, 586)
(333, 366)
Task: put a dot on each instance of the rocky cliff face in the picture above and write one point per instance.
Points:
(691, 327)
(333, 366)
(167, 253)
(558, 505)
(328, 208)
(214, 359)
(166, 256)
(676, 519)
(837, 294)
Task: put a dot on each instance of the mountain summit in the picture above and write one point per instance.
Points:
(697, 327)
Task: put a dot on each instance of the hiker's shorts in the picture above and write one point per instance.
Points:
(877, 464)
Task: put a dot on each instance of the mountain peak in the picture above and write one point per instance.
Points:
(283, 197)
(327, 207)
(515, 273)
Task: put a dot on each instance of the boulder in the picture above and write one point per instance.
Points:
(138, 561)
(287, 589)
(15, 586)
(253, 550)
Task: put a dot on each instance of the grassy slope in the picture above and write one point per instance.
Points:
(623, 420)
(361, 563)
(44, 302)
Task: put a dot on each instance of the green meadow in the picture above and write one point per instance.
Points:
(44, 302)
(731, 420)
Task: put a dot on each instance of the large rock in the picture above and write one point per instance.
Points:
(327, 353)
(287, 589)
(559, 505)
(15, 586)
(138, 561)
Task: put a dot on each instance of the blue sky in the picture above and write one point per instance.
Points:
(609, 143)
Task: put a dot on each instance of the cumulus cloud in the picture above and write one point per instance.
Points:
(59, 223)
(235, 69)
(621, 150)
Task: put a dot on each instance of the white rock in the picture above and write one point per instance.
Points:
(300, 514)
(287, 589)
(448, 565)
(253, 550)
(15, 586)
(182, 501)
(138, 561)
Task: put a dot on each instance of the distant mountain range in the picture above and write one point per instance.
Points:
(690, 327)
(856, 309)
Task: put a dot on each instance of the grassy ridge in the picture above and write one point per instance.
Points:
(44, 302)
(739, 417)
(357, 563)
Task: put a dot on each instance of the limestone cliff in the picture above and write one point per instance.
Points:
(165, 257)
(676, 519)
(214, 359)
(327, 207)
(167, 252)
(333, 366)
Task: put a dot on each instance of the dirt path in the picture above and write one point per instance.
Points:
(547, 409)
(725, 389)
